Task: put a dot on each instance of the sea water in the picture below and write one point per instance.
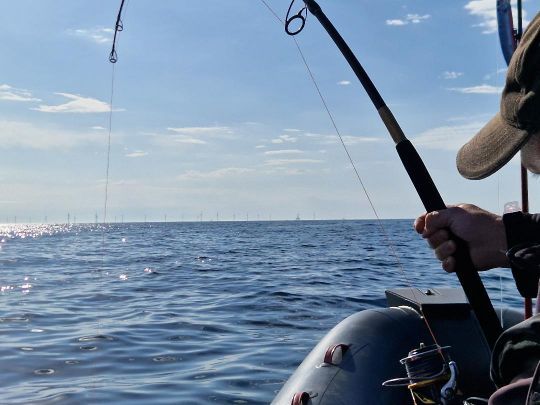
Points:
(191, 313)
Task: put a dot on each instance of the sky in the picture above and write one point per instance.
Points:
(215, 117)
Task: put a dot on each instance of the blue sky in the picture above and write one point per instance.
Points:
(215, 114)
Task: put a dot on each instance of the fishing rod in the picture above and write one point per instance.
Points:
(425, 187)
(118, 27)
(523, 172)
(509, 38)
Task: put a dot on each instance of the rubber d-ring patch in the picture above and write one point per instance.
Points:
(329, 355)
(300, 398)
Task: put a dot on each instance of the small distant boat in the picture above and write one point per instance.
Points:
(298, 217)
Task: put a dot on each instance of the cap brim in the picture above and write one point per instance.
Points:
(490, 149)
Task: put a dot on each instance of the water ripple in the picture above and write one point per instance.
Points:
(202, 312)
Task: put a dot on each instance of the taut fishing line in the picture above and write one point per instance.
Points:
(300, 15)
(113, 59)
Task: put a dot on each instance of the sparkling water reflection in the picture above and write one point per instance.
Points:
(189, 312)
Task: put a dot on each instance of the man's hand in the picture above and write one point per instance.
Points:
(483, 231)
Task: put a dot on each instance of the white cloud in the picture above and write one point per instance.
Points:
(9, 93)
(292, 130)
(196, 131)
(450, 75)
(313, 135)
(396, 22)
(284, 138)
(131, 182)
(27, 135)
(291, 171)
(98, 128)
(78, 104)
(214, 174)
(350, 140)
(344, 83)
(480, 89)
(470, 118)
(192, 135)
(498, 72)
(193, 141)
(417, 18)
(260, 146)
(354, 140)
(284, 152)
(410, 18)
(447, 137)
(283, 162)
(486, 11)
(136, 154)
(98, 35)
(168, 140)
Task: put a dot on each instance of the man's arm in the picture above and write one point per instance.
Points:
(523, 239)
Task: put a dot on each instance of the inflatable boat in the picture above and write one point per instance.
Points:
(351, 364)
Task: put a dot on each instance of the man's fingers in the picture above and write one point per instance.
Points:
(435, 227)
(445, 249)
(437, 238)
(449, 264)
(437, 220)
(420, 223)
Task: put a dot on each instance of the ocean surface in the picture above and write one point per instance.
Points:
(191, 313)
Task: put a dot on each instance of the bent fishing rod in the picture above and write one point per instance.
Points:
(417, 171)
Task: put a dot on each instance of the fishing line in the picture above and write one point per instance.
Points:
(327, 109)
(331, 117)
(113, 57)
(501, 292)
(108, 165)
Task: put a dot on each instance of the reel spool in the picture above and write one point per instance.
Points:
(431, 375)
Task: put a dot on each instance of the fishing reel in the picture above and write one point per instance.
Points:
(431, 376)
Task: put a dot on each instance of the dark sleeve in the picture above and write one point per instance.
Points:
(523, 239)
(516, 352)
